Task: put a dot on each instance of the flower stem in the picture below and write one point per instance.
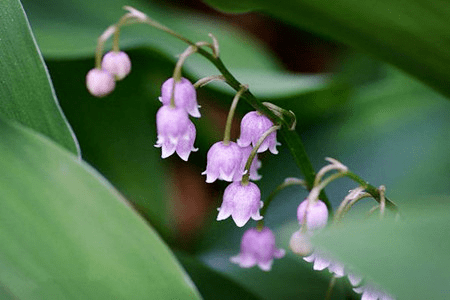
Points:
(291, 137)
(287, 183)
(330, 288)
(204, 81)
(122, 22)
(373, 191)
(252, 155)
(227, 132)
(100, 42)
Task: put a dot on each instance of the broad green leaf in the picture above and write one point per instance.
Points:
(26, 92)
(69, 29)
(411, 35)
(409, 257)
(65, 232)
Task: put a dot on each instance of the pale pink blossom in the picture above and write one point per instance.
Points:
(241, 202)
(258, 248)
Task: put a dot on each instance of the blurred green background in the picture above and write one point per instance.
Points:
(387, 122)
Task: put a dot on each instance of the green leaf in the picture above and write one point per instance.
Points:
(65, 233)
(411, 35)
(409, 257)
(26, 93)
(69, 29)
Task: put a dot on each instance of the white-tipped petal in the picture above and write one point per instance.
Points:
(266, 266)
(258, 248)
(224, 213)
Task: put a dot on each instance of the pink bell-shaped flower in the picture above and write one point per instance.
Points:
(223, 162)
(100, 82)
(319, 260)
(253, 125)
(185, 95)
(258, 248)
(322, 260)
(241, 202)
(175, 132)
(186, 143)
(117, 64)
(256, 164)
(316, 216)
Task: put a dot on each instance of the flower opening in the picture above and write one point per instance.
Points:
(258, 248)
(241, 202)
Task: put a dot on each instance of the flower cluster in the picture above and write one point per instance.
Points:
(227, 160)
(322, 260)
(237, 162)
(114, 66)
(176, 132)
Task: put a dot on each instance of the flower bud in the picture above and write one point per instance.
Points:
(185, 95)
(241, 202)
(316, 216)
(258, 248)
(300, 244)
(100, 82)
(117, 63)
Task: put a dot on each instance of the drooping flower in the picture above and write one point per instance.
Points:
(371, 292)
(185, 95)
(253, 125)
(117, 64)
(223, 162)
(256, 164)
(316, 216)
(186, 143)
(354, 278)
(258, 248)
(175, 132)
(100, 82)
(322, 260)
(300, 244)
(241, 202)
(319, 260)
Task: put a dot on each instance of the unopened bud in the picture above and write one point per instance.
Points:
(100, 82)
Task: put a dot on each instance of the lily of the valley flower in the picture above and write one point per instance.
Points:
(223, 162)
(253, 126)
(256, 164)
(100, 82)
(322, 260)
(117, 64)
(258, 248)
(300, 244)
(316, 214)
(241, 202)
(185, 95)
(370, 292)
(175, 132)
